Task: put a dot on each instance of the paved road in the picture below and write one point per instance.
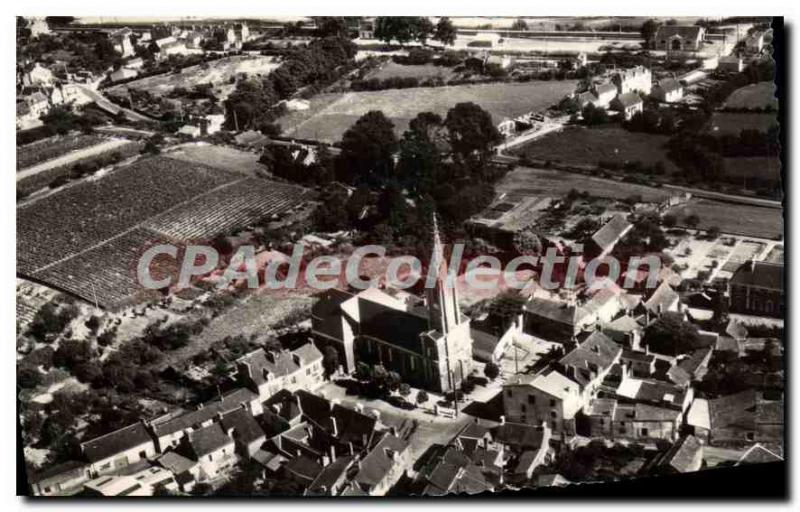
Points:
(70, 157)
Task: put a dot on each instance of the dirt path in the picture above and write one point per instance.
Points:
(70, 157)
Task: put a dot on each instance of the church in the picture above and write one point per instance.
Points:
(428, 342)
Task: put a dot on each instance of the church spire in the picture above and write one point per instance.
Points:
(444, 312)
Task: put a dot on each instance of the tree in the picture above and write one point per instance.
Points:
(330, 359)
(404, 389)
(669, 221)
(649, 29)
(491, 370)
(403, 29)
(332, 26)
(445, 32)
(713, 232)
(692, 221)
(671, 335)
(28, 377)
(594, 115)
(471, 131)
(519, 24)
(422, 396)
(367, 149)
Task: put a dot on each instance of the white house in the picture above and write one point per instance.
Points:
(118, 449)
(123, 74)
(668, 90)
(636, 79)
(628, 104)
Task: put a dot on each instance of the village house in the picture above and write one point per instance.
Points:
(684, 456)
(698, 419)
(691, 368)
(38, 75)
(430, 346)
(654, 392)
(744, 418)
(640, 364)
(637, 79)
(756, 288)
(331, 480)
(523, 448)
(245, 431)
(610, 233)
(366, 28)
(679, 38)
(38, 27)
(599, 95)
(121, 39)
(112, 486)
(758, 454)
(382, 467)
(452, 471)
(267, 372)
(643, 422)
(625, 330)
(507, 127)
(123, 74)
(185, 470)
(60, 480)
(628, 104)
(662, 300)
(116, 450)
(554, 320)
(668, 90)
(30, 108)
(489, 347)
(168, 430)
(556, 396)
(212, 448)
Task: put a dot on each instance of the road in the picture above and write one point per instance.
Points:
(108, 106)
(72, 156)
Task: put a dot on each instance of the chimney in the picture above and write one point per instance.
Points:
(502, 420)
(335, 426)
(325, 461)
(352, 450)
(299, 404)
(333, 453)
(229, 432)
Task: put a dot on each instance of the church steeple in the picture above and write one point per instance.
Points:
(443, 310)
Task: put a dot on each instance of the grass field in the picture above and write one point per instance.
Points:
(734, 122)
(216, 72)
(331, 114)
(527, 181)
(220, 157)
(760, 167)
(581, 145)
(735, 219)
(392, 69)
(760, 95)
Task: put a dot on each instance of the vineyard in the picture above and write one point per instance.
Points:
(84, 239)
(53, 147)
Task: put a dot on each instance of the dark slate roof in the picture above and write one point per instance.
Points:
(519, 435)
(607, 236)
(759, 273)
(483, 341)
(597, 350)
(377, 463)
(351, 425)
(669, 85)
(207, 411)
(629, 99)
(245, 428)
(116, 442)
(304, 467)
(393, 326)
(684, 31)
(656, 391)
(602, 88)
(208, 439)
(64, 471)
(329, 475)
(633, 355)
(261, 363)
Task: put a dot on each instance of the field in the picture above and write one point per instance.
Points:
(580, 145)
(220, 157)
(52, 147)
(392, 69)
(216, 72)
(761, 168)
(526, 181)
(753, 96)
(732, 122)
(735, 219)
(84, 239)
(331, 114)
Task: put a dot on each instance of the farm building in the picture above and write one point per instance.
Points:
(679, 38)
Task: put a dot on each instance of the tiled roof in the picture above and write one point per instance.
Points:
(594, 354)
(519, 435)
(608, 235)
(629, 99)
(663, 297)
(669, 85)
(684, 31)
(757, 454)
(377, 463)
(176, 462)
(329, 475)
(245, 428)
(116, 442)
(556, 311)
(684, 456)
(209, 410)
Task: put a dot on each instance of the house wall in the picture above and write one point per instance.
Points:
(123, 459)
(756, 300)
(213, 463)
(532, 406)
(636, 429)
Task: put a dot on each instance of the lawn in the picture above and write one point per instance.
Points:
(733, 218)
(581, 145)
(331, 114)
(392, 69)
(753, 96)
(733, 122)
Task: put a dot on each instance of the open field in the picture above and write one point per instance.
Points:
(753, 96)
(40, 151)
(735, 219)
(581, 145)
(220, 157)
(734, 122)
(85, 238)
(331, 114)
(392, 69)
(527, 181)
(761, 168)
(216, 72)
